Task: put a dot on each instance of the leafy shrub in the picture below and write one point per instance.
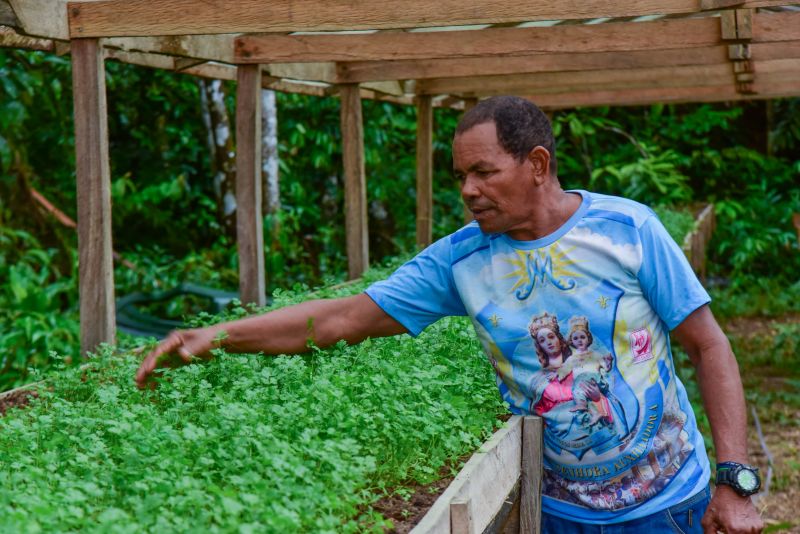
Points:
(33, 292)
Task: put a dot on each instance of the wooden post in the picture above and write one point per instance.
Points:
(530, 493)
(96, 264)
(355, 182)
(249, 225)
(424, 171)
(461, 517)
(469, 103)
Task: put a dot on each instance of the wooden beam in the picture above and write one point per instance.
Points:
(95, 254)
(355, 182)
(554, 82)
(321, 72)
(11, 39)
(249, 225)
(578, 38)
(764, 88)
(424, 171)
(461, 517)
(169, 17)
(564, 39)
(7, 16)
(359, 71)
(41, 18)
(707, 5)
(531, 486)
(205, 47)
(604, 80)
(486, 480)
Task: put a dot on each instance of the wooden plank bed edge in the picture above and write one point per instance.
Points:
(486, 480)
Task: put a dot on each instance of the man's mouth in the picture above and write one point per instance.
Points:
(478, 210)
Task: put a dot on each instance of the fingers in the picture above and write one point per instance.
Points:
(173, 344)
(708, 523)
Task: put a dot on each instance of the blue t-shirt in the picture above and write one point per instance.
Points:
(576, 325)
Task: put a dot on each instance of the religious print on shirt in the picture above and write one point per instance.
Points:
(576, 326)
(606, 447)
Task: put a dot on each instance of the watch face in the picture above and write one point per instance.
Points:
(747, 480)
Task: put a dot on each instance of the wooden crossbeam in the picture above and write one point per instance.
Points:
(184, 17)
(765, 88)
(610, 37)
(601, 80)
(206, 47)
(360, 71)
(11, 39)
(557, 82)
(266, 48)
(7, 16)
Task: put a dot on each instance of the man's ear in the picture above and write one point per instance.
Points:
(539, 158)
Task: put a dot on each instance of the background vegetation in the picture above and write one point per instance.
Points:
(745, 158)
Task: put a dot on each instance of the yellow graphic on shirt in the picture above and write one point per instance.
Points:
(537, 267)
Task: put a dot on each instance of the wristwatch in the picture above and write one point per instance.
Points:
(742, 478)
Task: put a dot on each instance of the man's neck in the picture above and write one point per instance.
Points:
(551, 210)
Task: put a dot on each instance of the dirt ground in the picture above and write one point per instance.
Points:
(13, 399)
(780, 505)
(780, 508)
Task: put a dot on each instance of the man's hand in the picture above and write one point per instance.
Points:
(177, 349)
(731, 513)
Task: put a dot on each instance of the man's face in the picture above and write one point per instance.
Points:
(494, 185)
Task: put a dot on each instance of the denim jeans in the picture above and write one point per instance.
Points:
(683, 518)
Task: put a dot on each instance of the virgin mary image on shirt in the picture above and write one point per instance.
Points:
(572, 390)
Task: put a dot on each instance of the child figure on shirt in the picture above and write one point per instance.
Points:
(589, 370)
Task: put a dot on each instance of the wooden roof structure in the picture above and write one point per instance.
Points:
(427, 53)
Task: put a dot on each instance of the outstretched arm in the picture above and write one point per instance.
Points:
(284, 331)
(723, 399)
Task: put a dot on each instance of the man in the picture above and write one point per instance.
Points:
(536, 258)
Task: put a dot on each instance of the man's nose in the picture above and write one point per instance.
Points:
(469, 189)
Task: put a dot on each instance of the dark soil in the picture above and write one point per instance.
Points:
(15, 399)
(406, 513)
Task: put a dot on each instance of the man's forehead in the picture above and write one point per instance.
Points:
(476, 146)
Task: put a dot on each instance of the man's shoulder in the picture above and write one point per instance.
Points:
(619, 209)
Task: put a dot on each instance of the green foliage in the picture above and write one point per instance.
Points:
(678, 222)
(285, 444)
(751, 296)
(32, 292)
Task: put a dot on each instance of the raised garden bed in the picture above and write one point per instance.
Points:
(244, 443)
(498, 490)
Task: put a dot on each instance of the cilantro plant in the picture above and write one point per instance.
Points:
(246, 443)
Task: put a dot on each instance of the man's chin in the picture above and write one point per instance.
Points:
(487, 227)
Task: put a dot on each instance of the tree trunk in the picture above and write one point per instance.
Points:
(269, 152)
(223, 162)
